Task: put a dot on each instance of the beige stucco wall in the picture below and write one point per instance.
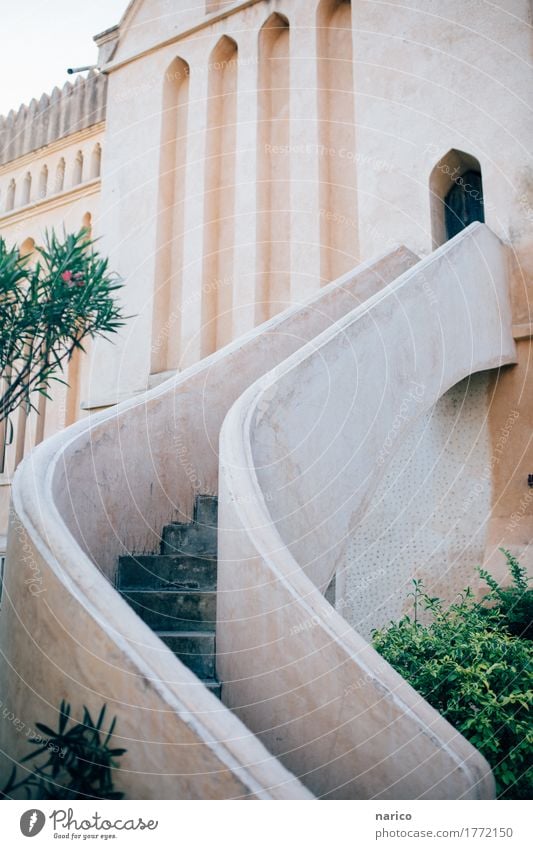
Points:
(68, 205)
(299, 464)
(424, 80)
(416, 80)
(65, 632)
(428, 518)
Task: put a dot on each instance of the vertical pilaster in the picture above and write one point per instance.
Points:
(193, 215)
(245, 263)
(305, 153)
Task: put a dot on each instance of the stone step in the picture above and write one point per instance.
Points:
(196, 649)
(174, 610)
(206, 510)
(198, 540)
(215, 687)
(158, 571)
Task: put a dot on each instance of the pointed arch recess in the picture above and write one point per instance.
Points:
(219, 208)
(274, 169)
(166, 325)
(337, 155)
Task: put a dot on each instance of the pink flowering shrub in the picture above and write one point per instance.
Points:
(48, 307)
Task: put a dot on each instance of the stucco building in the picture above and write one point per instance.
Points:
(235, 158)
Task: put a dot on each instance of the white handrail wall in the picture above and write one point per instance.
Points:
(301, 454)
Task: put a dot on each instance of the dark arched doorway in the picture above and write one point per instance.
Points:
(464, 203)
(456, 189)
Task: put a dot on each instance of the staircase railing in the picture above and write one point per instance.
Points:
(302, 452)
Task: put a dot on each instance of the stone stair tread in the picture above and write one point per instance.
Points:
(171, 609)
(178, 557)
(173, 571)
(174, 592)
(168, 589)
(189, 539)
(214, 686)
(196, 649)
(185, 634)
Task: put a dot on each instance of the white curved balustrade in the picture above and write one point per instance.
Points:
(107, 486)
(301, 454)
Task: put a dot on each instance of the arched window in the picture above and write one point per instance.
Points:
(60, 176)
(96, 162)
(456, 188)
(77, 171)
(43, 182)
(26, 189)
(10, 196)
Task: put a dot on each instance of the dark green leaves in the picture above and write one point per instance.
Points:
(79, 765)
(471, 667)
(47, 309)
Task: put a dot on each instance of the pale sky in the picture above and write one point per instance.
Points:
(42, 38)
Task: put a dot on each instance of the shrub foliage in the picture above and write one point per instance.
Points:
(470, 664)
(47, 309)
(79, 762)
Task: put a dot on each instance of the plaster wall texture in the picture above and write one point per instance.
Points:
(75, 107)
(69, 524)
(421, 82)
(299, 466)
(428, 518)
(417, 81)
(67, 200)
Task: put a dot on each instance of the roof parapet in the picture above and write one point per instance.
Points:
(75, 107)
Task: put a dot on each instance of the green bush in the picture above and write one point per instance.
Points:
(515, 602)
(469, 666)
(79, 765)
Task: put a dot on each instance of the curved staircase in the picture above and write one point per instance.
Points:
(308, 709)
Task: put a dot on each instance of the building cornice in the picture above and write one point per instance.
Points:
(208, 21)
(92, 187)
(54, 147)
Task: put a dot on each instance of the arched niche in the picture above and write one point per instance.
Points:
(59, 184)
(337, 159)
(96, 162)
(43, 182)
(10, 195)
(87, 224)
(27, 248)
(274, 171)
(219, 203)
(456, 193)
(166, 321)
(77, 170)
(26, 189)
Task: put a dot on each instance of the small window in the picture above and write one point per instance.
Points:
(456, 188)
(464, 203)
